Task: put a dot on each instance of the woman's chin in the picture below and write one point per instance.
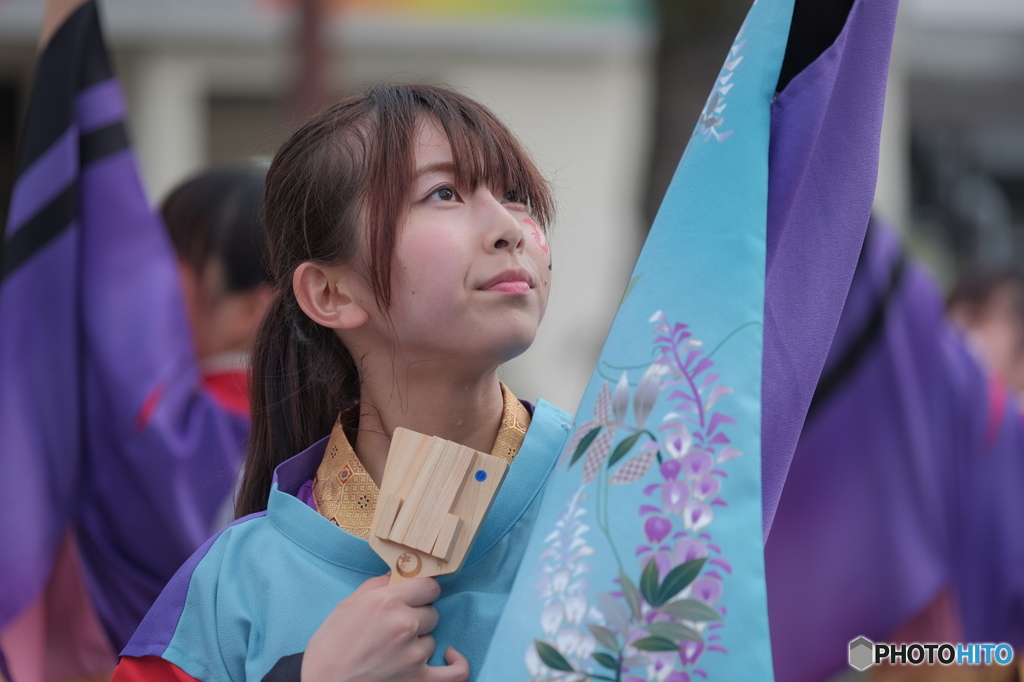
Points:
(514, 350)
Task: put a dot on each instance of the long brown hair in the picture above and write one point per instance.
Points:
(343, 180)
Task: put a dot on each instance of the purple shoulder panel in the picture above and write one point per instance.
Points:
(292, 474)
(157, 628)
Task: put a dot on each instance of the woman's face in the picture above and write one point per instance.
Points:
(472, 270)
(221, 321)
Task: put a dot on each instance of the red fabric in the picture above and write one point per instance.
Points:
(997, 396)
(148, 406)
(230, 390)
(149, 669)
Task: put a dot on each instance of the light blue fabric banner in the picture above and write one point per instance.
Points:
(647, 562)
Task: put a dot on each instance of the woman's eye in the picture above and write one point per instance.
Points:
(444, 194)
(513, 197)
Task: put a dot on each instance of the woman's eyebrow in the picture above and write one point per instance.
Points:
(439, 167)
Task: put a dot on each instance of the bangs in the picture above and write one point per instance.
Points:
(484, 152)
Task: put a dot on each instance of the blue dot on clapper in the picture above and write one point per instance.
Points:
(481, 475)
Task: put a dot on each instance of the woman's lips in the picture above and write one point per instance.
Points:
(510, 287)
(513, 281)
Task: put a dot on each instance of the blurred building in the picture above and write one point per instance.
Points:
(206, 83)
(962, 64)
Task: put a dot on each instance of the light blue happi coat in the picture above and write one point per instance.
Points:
(646, 561)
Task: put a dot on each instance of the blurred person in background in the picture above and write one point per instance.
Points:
(987, 306)
(213, 221)
(900, 516)
(123, 414)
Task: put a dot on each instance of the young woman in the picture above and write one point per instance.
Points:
(406, 231)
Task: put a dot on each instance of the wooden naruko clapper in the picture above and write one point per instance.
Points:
(433, 498)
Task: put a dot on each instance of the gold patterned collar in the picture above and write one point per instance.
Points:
(346, 495)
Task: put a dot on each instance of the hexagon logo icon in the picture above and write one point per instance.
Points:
(862, 653)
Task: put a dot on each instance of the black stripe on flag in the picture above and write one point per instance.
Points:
(74, 59)
(103, 142)
(40, 230)
(854, 354)
(51, 106)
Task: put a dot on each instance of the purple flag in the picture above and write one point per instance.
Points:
(906, 484)
(105, 429)
(823, 165)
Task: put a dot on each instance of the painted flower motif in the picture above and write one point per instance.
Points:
(569, 641)
(678, 444)
(674, 496)
(707, 590)
(689, 652)
(657, 528)
(647, 391)
(620, 400)
(690, 442)
(696, 515)
(687, 549)
(661, 557)
(551, 618)
(560, 581)
(707, 487)
(674, 493)
(566, 612)
(576, 607)
(697, 464)
(711, 118)
(661, 665)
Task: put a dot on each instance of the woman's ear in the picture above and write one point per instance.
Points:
(329, 295)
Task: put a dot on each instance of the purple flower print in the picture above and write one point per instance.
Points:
(661, 558)
(674, 493)
(651, 627)
(688, 549)
(678, 444)
(689, 652)
(696, 464)
(707, 590)
(660, 665)
(657, 528)
(674, 496)
(707, 487)
(696, 515)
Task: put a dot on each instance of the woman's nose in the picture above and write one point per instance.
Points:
(504, 230)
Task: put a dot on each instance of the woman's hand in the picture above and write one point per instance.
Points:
(381, 633)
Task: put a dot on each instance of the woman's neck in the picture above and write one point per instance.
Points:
(467, 412)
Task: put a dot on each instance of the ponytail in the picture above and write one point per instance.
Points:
(303, 376)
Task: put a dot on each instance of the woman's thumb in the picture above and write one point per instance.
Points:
(457, 664)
